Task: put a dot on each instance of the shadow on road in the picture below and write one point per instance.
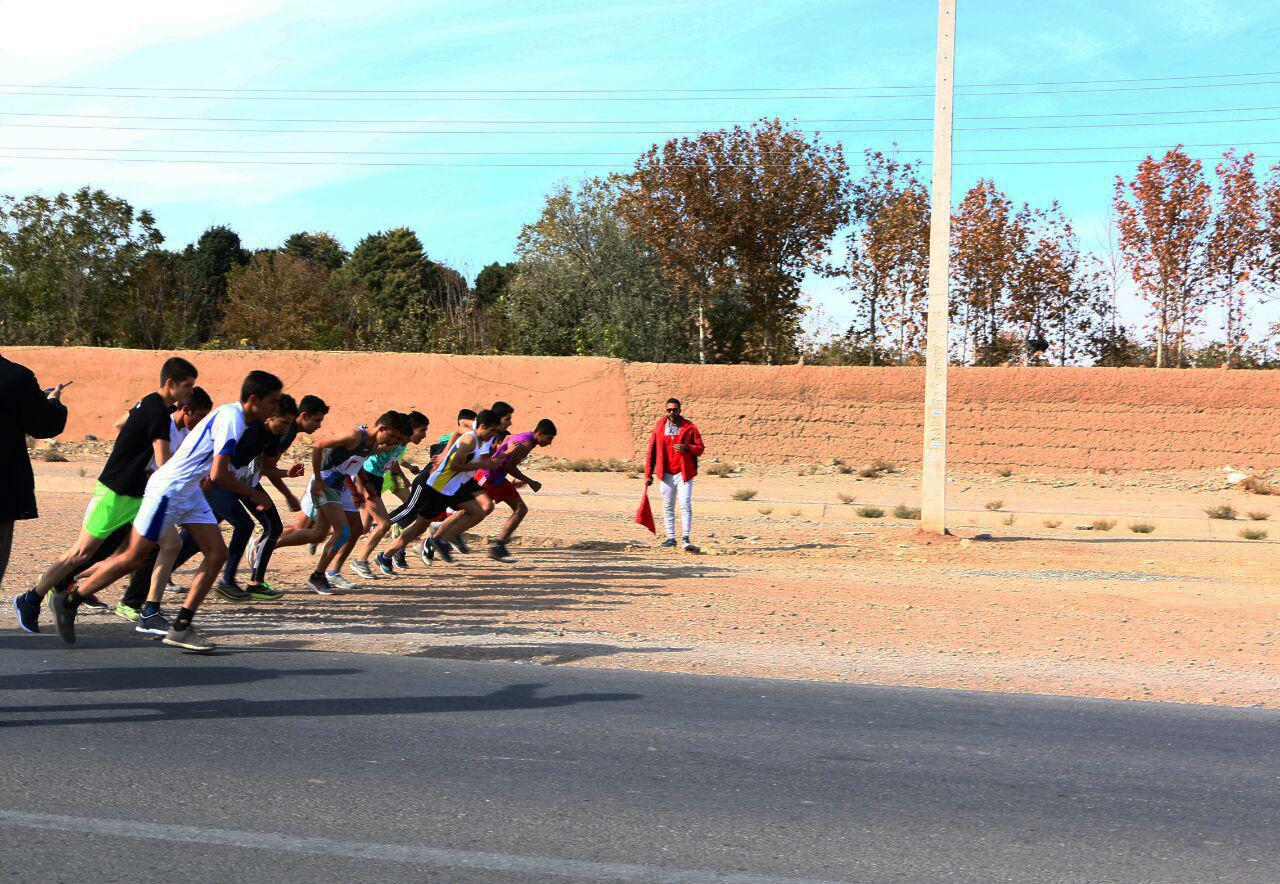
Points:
(130, 678)
(510, 698)
(552, 652)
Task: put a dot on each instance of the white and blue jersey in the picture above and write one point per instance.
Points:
(173, 492)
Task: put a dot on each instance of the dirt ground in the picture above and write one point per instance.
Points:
(795, 583)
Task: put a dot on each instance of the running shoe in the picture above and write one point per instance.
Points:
(64, 616)
(688, 547)
(232, 592)
(173, 587)
(311, 548)
(396, 531)
(669, 543)
(399, 560)
(128, 612)
(264, 592)
(337, 581)
(91, 602)
(319, 584)
(28, 612)
(362, 569)
(384, 563)
(499, 553)
(460, 544)
(189, 640)
(443, 549)
(154, 624)
(427, 554)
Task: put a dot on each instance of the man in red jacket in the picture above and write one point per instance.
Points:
(674, 449)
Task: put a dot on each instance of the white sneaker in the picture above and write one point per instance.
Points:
(362, 569)
(336, 579)
(254, 545)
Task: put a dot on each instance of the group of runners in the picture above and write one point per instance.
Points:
(179, 468)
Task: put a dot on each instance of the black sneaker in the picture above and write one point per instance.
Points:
(232, 592)
(400, 561)
(154, 624)
(442, 549)
(499, 553)
(91, 602)
(319, 584)
(460, 544)
(64, 616)
(28, 612)
(669, 543)
(383, 563)
(427, 552)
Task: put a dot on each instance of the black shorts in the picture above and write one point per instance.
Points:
(424, 502)
(370, 484)
(468, 490)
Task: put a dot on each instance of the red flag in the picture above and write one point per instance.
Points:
(644, 515)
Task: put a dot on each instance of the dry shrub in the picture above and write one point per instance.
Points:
(1052, 523)
(589, 465)
(720, 469)
(1141, 527)
(1221, 511)
(871, 512)
(1103, 524)
(846, 499)
(1258, 515)
(1004, 472)
(765, 510)
(795, 512)
(1253, 533)
(994, 505)
(1009, 519)
(1254, 485)
(53, 455)
(902, 511)
(744, 494)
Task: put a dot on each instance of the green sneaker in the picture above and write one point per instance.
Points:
(124, 612)
(264, 592)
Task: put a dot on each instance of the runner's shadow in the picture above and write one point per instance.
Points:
(133, 678)
(507, 699)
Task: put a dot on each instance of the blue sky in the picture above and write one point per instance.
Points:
(470, 213)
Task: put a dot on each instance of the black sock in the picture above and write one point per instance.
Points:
(149, 608)
(183, 620)
(74, 599)
(32, 596)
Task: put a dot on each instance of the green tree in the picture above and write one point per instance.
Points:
(320, 248)
(585, 285)
(207, 263)
(279, 301)
(66, 263)
(493, 280)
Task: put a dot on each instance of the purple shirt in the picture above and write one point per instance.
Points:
(497, 477)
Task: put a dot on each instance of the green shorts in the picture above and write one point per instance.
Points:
(108, 511)
(390, 482)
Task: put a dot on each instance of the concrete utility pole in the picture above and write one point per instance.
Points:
(933, 508)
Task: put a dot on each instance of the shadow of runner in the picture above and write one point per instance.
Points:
(510, 698)
(558, 652)
(129, 678)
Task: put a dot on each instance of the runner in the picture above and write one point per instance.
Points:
(333, 497)
(117, 494)
(495, 482)
(434, 494)
(259, 438)
(372, 476)
(173, 498)
(471, 490)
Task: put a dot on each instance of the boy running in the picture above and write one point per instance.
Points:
(442, 489)
(173, 498)
(333, 496)
(499, 487)
(117, 494)
(372, 476)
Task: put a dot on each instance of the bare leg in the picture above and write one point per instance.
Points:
(472, 513)
(170, 546)
(518, 512)
(67, 564)
(126, 561)
(377, 526)
(355, 524)
(307, 530)
(214, 552)
(409, 535)
(334, 515)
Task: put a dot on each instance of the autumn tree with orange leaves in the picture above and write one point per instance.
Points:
(748, 210)
(987, 239)
(1163, 216)
(887, 256)
(1237, 246)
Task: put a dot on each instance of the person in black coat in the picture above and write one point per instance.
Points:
(25, 410)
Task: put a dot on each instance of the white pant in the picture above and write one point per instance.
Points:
(673, 486)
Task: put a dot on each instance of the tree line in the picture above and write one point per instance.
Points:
(700, 253)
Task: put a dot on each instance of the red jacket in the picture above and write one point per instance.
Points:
(662, 459)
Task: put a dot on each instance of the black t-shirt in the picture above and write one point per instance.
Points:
(125, 471)
(256, 440)
(280, 444)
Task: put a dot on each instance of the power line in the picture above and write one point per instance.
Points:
(711, 95)
(1110, 161)
(555, 153)
(593, 91)
(685, 132)
(438, 121)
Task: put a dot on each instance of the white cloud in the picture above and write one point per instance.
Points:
(45, 41)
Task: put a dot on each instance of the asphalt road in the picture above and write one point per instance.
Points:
(127, 761)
